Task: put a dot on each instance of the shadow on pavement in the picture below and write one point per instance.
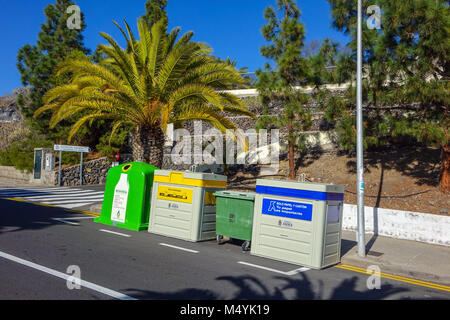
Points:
(347, 245)
(19, 216)
(299, 287)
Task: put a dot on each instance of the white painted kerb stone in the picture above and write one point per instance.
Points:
(423, 227)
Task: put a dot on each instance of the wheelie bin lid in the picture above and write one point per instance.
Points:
(236, 195)
(303, 190)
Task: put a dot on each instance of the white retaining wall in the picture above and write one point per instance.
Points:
(21, 176)
(423, 227)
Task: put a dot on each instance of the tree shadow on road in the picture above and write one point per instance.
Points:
(299, 287)
(20, 216)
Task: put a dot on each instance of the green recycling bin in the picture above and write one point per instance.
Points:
(234, 216)
(126, 203)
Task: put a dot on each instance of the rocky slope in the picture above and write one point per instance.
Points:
(12, 124)
(9, 110)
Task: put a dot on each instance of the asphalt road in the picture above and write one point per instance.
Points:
(36, 251)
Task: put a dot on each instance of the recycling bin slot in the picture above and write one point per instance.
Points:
(299, 223)
(184, 205)
(126, 202)
(234, 216)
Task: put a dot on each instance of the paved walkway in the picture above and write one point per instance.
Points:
(7, 183)
(407, 258)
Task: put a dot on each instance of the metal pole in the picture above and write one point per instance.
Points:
(59, 173)
(81, 170)
(359, 142)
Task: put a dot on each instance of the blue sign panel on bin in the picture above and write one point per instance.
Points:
(287, 209)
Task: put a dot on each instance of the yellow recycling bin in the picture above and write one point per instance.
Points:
(183, 204)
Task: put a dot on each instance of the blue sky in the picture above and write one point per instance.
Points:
(231, 27)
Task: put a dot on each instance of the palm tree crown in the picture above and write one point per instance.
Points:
(154, 81)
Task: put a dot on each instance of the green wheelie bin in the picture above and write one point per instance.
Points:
(234, 216)
(126, 203)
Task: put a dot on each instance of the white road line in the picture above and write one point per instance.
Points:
(72, 206)
(290, 273)
(299, 270)
(64, 276)
(56, 196)
(65, 221)
(69, 199)
(117, 233)
(67, 195)
(42, 192)
(66, 200)
(179, 248)
(34, 189)
(23, 194)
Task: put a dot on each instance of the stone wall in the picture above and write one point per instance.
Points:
(321, 137)
(94, 172)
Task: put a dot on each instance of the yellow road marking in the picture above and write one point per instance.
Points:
(15, 199)
(397, 278)
(85, 212)
(45, 205)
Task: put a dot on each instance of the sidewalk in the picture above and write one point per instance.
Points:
(406, 258)
(11, 183)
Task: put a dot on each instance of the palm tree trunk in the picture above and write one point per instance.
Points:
(148, 144)
(445, 169)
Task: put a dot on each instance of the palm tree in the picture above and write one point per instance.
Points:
(154, 81)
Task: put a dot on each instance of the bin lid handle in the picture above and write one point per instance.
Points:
(127, 167)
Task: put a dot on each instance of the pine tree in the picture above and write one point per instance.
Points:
(285, 35)
(36, 63)
(319, 63)
(155, 11)
(406, 91)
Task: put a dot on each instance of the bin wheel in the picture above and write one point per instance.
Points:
(246, 246)
(219, 239)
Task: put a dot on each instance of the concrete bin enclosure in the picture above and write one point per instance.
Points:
(184, 206)
(298, 223)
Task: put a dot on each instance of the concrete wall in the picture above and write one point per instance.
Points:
(21, 176)
(423, 227)
(242, 93)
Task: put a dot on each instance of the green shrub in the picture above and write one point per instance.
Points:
(109, 146)
(20, 154)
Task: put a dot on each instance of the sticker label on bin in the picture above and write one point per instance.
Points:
(287, 209)
(175, 194)
(119, 205)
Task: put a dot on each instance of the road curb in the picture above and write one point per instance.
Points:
(394, 269)
(96, 208)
